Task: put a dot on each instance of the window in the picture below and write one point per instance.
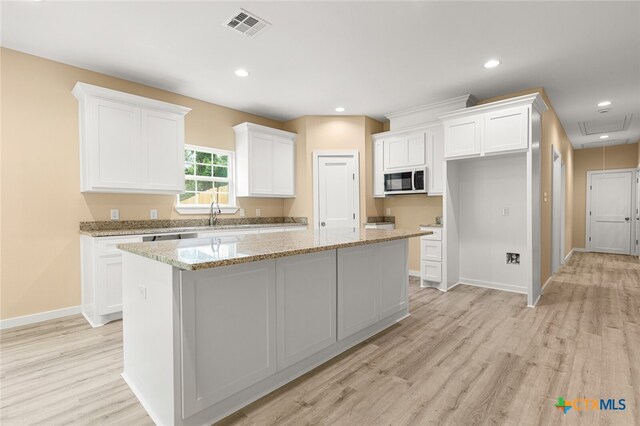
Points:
(208, 175)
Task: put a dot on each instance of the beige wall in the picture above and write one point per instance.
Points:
(410, 212)
(39, 268)
(552, 134)
(317, 133)
(614, 157)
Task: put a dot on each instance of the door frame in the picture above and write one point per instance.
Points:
(556, 210)
(563, 212)
(355, 154)
(634, 178)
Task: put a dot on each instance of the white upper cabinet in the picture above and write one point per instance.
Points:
(495, 128)
(129, 144)
(404, 151)
(463, 137)
(378, 168)
(265, 161)
(506, 130)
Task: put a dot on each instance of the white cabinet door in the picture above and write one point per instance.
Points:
(261, 164)
(435, 160)
(306, 303)
(431, 271)
(462, 137)
(220, 361)
(283, 156)
(506, 130)
(357, 289)
(416, 150)
(115, 145)
(393, 277)
(109, 289)
(378, 168)
(163, 139)
(395, 153)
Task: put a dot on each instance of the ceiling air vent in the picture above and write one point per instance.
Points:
(246, 23)
(600, 144)
(606, 124)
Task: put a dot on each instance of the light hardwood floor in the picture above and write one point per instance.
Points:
(469, 356)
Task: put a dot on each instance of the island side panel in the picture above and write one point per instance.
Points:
(150, 321)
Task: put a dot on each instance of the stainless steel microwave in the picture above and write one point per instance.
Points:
(406, 181)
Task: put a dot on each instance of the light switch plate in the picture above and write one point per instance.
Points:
(143, 292)
(241, 212)
(153, 214)
(115, 214)
(388, 212)
(258, 212)
(505, 211)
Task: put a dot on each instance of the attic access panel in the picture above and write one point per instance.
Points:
(605, 124)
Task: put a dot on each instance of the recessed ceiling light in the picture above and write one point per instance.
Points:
(604, 136)
(491, 63)
(604, 103)
(242, 72)
(340, 109)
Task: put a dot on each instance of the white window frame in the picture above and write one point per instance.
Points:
(230, 208)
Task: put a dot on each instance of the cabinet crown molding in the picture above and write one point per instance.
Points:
(82, 90)
(534, 99)
(425, 114)
(246, 126)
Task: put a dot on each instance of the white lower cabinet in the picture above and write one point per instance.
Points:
(101, 278)
(431, 258)
(368, 289)
(220, 361)
(306, 305)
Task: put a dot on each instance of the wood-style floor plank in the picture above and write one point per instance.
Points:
(469, 356)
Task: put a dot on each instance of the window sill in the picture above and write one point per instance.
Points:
(205, 209)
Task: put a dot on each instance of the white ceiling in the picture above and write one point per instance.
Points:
(370, 57)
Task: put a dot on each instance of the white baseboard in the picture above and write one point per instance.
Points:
(579, 250)
(413, 273)
(536, 302)
(492, 285)
(547, 282)
(39, 317)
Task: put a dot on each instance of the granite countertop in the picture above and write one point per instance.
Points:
(204, 253)
(171, 226)
(176, 229)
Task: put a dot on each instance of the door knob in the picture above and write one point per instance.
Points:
(322, 223)
(627, 219)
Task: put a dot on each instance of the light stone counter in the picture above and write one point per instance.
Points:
(205, 253)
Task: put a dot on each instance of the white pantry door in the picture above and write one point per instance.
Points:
(337, 194)
(609, 214)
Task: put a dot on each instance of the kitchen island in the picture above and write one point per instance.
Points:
(212, 324)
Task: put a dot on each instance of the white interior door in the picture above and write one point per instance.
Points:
(609, 211)
(337, 191)
(556, 251)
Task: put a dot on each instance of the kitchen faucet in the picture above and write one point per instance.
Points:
(213, 215)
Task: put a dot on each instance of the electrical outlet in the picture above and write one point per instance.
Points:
(241, 212)
(153, 214)
(505, 211)
(388, 212)
(258, 212)
(115, 214)
(142, 291)
(513, 258)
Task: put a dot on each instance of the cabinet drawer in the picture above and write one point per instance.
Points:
(437, 234)
(107, 246)
(431, 250)
(431, 271)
